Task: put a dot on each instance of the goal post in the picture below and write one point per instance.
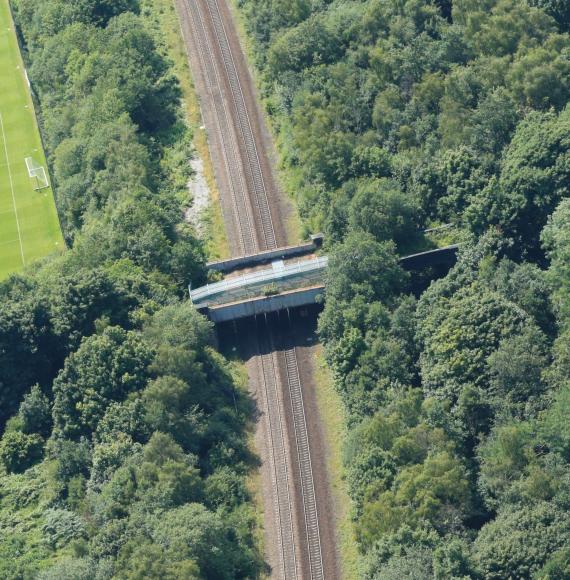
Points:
(38, 173)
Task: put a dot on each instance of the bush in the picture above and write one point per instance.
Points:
(61, 527)
(19, 451)
(519, 541)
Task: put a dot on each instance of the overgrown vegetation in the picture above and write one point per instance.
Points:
(393, 117)
(124, 451)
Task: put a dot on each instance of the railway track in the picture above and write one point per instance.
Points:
(305, 465)
(244, 225)
(254, 225)
(278, 460)
(253, 165)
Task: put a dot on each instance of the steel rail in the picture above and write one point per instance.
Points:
(305, 466)
(282, 503)
(244, 226)
(253, 167)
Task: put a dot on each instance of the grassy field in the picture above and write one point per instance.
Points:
(29, 226)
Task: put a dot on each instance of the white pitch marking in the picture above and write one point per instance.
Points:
(12, 188)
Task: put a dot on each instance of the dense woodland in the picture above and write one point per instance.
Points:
(124, 449)
(396, 116)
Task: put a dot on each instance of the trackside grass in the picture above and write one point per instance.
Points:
(333, 421)
(29, 225)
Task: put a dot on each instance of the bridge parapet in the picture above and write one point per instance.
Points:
(283, 276)
(252, 260)
(440, 256)
(260, 305)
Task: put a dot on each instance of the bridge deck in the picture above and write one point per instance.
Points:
(282, 276)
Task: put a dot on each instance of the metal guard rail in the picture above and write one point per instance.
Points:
(256, 278)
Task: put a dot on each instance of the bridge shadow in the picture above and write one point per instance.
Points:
(255, 335)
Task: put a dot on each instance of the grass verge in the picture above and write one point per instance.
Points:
(333, 420)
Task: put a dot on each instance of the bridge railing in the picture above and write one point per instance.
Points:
(259, 278)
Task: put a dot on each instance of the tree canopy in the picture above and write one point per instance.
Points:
(405, 126)
(123, 449)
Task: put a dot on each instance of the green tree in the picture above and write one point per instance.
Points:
(151, 561)
(362, 266)
(461, 177)
(516, 369)
(539, 78)
(436, 491)
(70, 568)
(504, 458)
(309, 43)
(19, 451)
(452, 559)
(533, 180)
(415, 564)
(458, 335)
(194, 533)
(382, 210)
(520, 540)
(105, 368)
(61, 527)
(558, 566)
(558, 9)
(554, 425)
(170, 408)
(556, 240)
(35, 413)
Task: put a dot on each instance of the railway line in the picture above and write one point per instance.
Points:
(244, 183)
(278, 460)
(312, 531)
(193, 20)
(253, 165)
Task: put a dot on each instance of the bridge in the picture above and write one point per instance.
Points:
(295, 277)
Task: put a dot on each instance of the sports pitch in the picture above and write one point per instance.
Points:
(29, 226)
